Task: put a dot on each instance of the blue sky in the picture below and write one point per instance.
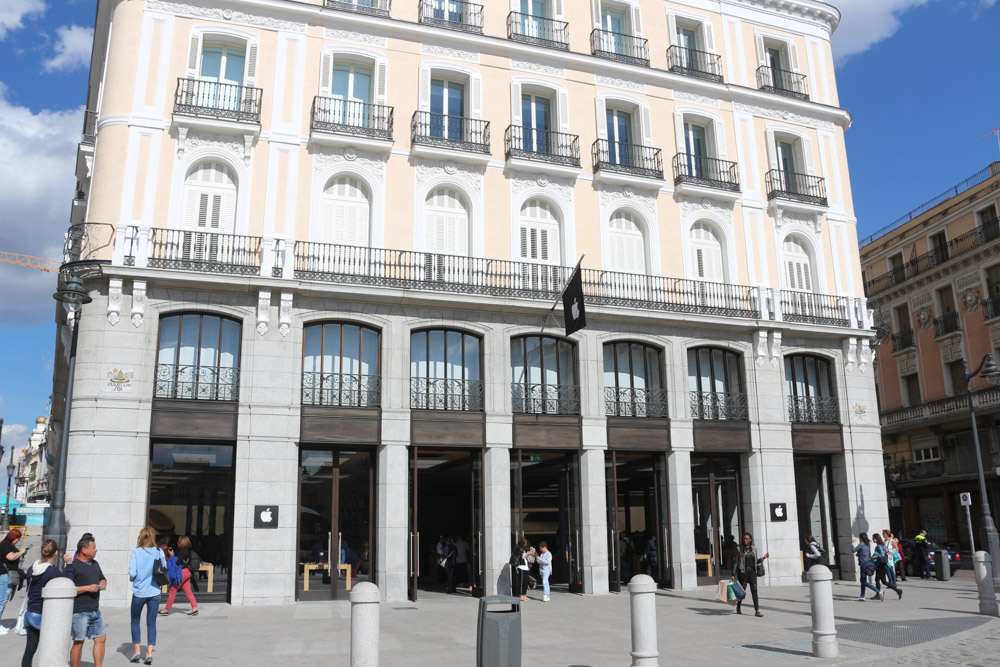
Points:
(919, 76)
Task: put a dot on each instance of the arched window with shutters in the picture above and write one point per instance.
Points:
(209, 215)
(798, 264)
(352, 94)
(446, 235)
(626, 244)
(707, 256)
(539, 243)
(346, 212)
(219, 69)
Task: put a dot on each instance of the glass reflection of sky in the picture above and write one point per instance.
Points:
(214, 456)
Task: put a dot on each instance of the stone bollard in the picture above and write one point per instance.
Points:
(57, 617)
(364, 625)
(982, 565)
(821, 602)
(642, 598)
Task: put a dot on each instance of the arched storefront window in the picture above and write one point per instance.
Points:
(198, 358)
(340, 365)
(715, 384)
(633, 380)
(809, 384)
(446, 370)
(543, 376)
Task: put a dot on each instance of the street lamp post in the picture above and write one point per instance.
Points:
(6, 523)
(988, 369)
(73, 296)
(10, 474)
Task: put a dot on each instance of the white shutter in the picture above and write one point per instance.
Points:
(793, 57)
(672, 30)
(382, 83)
(425, 89)
(563, 112)
(558, 9)
(595, 9)
(476, 103)
(761, 51)
(602, 119)
(325, 74)
(194, 55)
(515, 104)
(709, 44)
(191, 198)
(525, 246)
(636, 21)
(807, 154)
(647, 127)
(327, 222)
(251, 74)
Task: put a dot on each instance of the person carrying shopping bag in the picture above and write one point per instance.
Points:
(746, 567)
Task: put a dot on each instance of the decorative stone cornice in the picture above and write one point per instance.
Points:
(612, 196)
(537, 68)
(471, 176)
(820, 13)
(783, 115)
(224, 14)
(685, 96)
(370, 163)
(355, 37)
(619, 83)
(449, 52)
(561, 188)
(694, 207)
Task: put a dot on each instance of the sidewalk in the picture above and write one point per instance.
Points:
(934, 624)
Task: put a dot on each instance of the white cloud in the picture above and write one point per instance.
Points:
(865, 23)
(72, 49)
(37, 178)
(12, 13)
(14, 430)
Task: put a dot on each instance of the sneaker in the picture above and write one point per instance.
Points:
(880, 598)
(545, 599)
(861, 599)
(3, 630)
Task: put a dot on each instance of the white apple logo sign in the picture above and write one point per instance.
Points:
(265, 516)
(575, 310)
(779, 511)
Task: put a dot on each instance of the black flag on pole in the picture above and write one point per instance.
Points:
(573, 308)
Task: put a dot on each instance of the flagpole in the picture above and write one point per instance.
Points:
(549, 315)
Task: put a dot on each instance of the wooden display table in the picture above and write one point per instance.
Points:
(708, 562)
(309, 568)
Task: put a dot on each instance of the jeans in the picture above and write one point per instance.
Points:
(891, 575)
(4, 578)
(925, 564)
(882, 577)
(546, 573)
(87, 625)
(748, 580)
(152, 605)
(866, 583)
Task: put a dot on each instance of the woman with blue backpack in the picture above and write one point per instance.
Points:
(180, 570)
(863, 548)
(883, 565)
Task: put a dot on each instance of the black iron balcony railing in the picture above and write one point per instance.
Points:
(617, 156)
(903, 340)
(88, 241)
(987, 232)
(455, 132)
(947, 323)
(545, 399)
(719, 406)
(782, 82)
(202, 383)
(354, 265)
(208, 252)
(692, 62)
(224, 101)
(796, 187)
(89, 127)
(372, 7)
(538, 30)
(452, 14)
(338, 116)
(542, 145)
(445, 394)
(619, 46)
(991, 307)
(921, 469)
(706, 171)
(341, 389)
(813, 410)
(628, 402)
(822, 309)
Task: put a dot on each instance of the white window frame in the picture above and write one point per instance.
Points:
(196, 46)
(376, 193)
(641, 116)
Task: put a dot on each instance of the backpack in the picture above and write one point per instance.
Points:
(193, 562)
(824, 556)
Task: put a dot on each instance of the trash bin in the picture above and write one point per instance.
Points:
(498, 641)
(942, 566)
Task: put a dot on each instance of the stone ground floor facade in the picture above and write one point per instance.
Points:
(288, 431)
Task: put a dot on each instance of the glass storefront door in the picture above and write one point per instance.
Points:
(545, 506)
(336, 522)
(191, 490)
(718, 517)
(638, 517)
(814, 498)
(446, 514)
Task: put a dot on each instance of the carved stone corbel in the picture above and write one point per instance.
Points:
(114, 301)
(760, 347)
(285, 314)
(182, 133)
(138, 302)
(775, 348)
(263, 311)
(850, 354)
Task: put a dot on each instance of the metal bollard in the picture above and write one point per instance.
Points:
(982, 565)
(57, 617)
(823, 621)
(364, 625)
(642, 599)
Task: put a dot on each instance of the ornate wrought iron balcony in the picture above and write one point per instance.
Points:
(822, 309)
(88, 241)
(947, 323)
(813, 410)
(455, 132)
(617, 156)
(202, 383)
(719, 406)
(706, 171)
(545, 399)
(796, 187)
(89, 127)
(921, 469)
(903, 340)
(372, 7)
(340, 116)
(207, 252)
(985, 400)
(444, 394)
(223, 101)
(542, 145)
(538, 31)
(342, 390)
(619, 46)
(628, 402)
(991, 308)
(452, 14)
(782, 82)
(692, 62)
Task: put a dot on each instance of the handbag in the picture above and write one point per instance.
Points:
(738, 589)
(760, 569)
(160, 572)
(731, 595)
(19, 627)
(720, 591)
(14, 578)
